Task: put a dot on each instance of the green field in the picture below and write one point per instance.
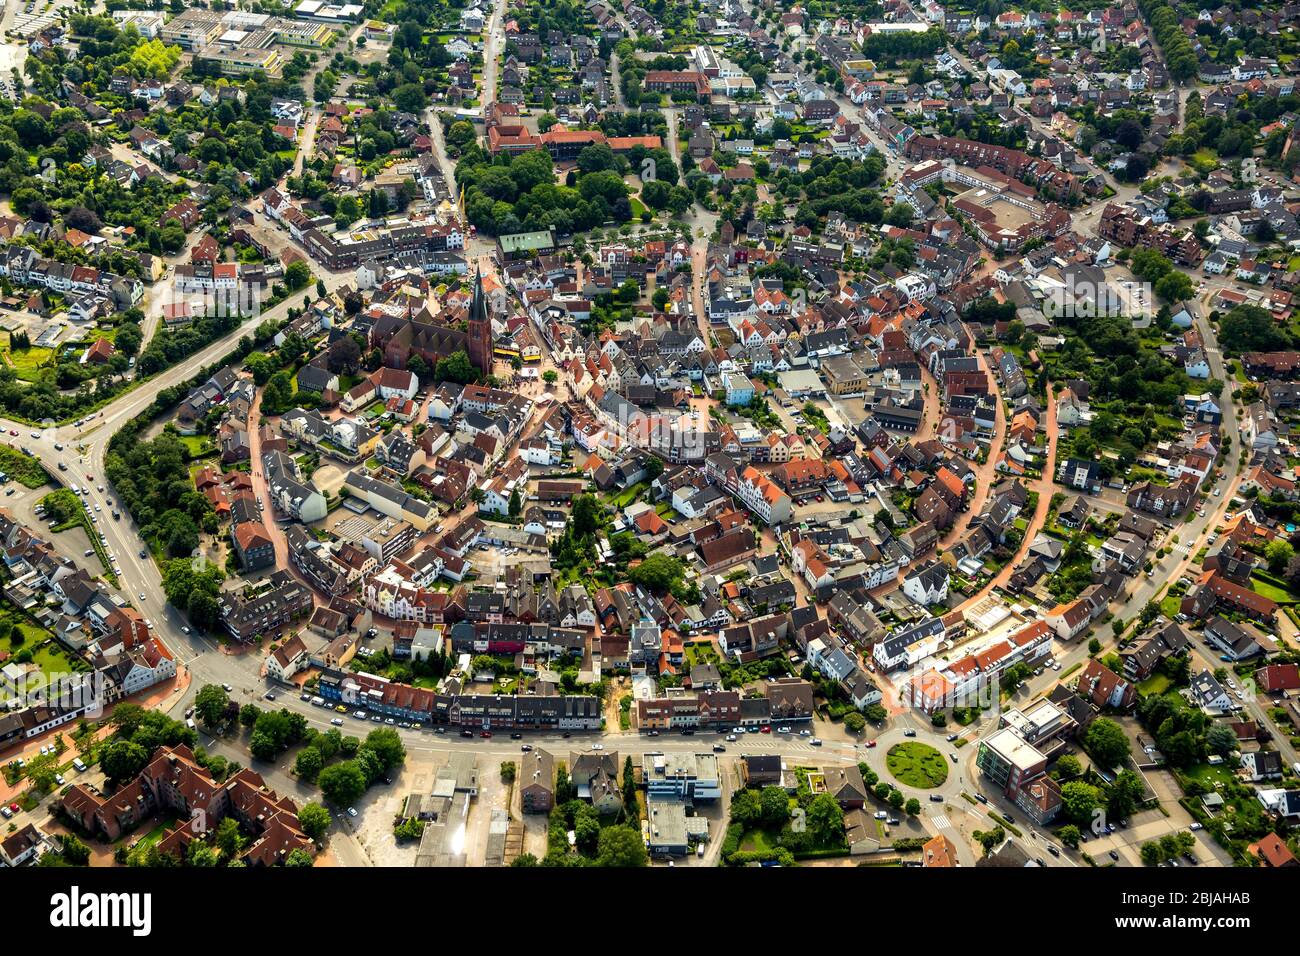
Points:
(917, 765)
(27, 362)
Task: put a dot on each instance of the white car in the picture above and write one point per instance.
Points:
(352, 811)
(597, 746)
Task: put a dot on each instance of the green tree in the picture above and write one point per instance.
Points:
(1078, 801)
(296, 275)
(342, 783)
(825, 820)
(1221, 739)
(1106, 742)
(621, 846)
(315, 820)
(122, 759)
(1277, 553)
(229, 840)
(456, 368)
(1068, 767)
(1124, 795)
(210, 704)
(386, 744)
(309, 763)
(775, 806)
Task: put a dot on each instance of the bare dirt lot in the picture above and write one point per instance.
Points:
(373, 826)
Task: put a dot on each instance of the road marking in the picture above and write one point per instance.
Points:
(942, 821)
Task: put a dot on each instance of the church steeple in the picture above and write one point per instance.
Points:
(478, 309)
(480, 327)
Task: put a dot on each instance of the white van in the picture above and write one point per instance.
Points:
(79, 764)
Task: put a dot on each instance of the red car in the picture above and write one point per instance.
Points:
(486, 734)
(767, 730)
(871, 743)
(14, 807)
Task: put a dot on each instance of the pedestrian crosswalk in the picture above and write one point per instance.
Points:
(941, 821)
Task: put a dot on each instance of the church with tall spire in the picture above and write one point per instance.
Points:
(480, 327)
(434, 337)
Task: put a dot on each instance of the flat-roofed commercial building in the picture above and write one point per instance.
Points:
(1008, 760)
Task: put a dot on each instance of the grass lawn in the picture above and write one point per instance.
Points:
(45, 652)
(159, 831)
(198, 445)
(917, 765)
(1210, 775)
(1270, 590)
(701, 652)
(1170, 604)
(1155, 684)
(27, 362)
(758, 840)
(629, 495)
